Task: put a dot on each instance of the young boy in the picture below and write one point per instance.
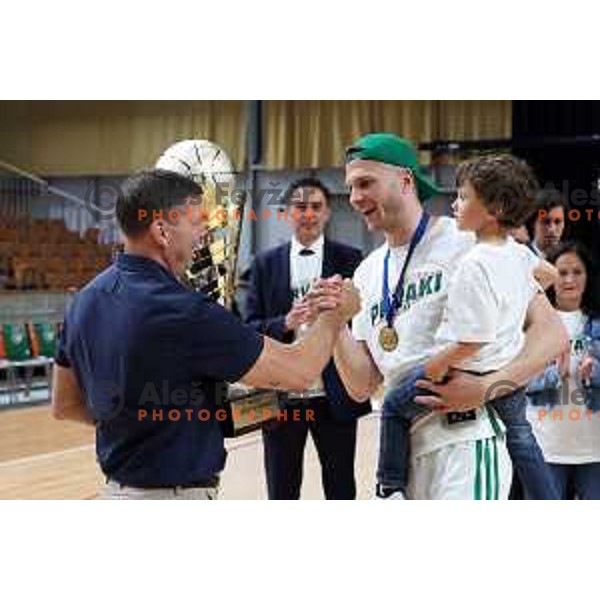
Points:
(482, 329)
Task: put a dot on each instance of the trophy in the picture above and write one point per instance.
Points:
(214, 264)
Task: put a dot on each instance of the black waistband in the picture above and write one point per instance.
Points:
(478, 373)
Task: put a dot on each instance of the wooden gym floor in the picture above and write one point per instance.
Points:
(41, 458)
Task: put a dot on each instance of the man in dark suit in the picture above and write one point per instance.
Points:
(276, 307)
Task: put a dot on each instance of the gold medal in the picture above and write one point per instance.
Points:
(388, 338)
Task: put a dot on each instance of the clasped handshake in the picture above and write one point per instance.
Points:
(337, 295)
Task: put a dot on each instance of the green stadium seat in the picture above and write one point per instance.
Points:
(27, 347)
(45, 334)
(16, 342)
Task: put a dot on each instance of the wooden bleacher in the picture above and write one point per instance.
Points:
(38, 254)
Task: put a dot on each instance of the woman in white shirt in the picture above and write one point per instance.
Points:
(568, 428)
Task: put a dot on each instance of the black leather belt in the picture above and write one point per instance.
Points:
(211, 482)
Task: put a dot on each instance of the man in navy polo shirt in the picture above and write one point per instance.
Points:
(139, 347)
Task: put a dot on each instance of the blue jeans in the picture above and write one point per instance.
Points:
(525, 453)
(399, 410)
(581, 481)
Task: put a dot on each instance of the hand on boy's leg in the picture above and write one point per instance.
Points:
(399, 400)
(461, 392)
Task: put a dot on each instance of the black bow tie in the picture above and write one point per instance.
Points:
(306, 252)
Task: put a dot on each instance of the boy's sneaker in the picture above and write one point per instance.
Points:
(388, 493)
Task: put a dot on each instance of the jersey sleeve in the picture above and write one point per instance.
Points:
(360, 323)
(531, 258)
(532, 261)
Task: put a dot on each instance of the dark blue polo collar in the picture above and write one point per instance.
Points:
(135, 262)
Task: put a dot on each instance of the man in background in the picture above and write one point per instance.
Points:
(547, 224)
(276, 307)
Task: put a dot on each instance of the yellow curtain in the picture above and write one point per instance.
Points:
(119, 137)
(473, 119)
(112, 137)
(303, 133)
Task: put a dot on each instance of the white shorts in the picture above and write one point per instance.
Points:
(469, 470)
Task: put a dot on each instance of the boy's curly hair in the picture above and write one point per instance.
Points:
(505, 184)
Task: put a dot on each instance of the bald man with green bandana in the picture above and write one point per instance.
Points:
(463, 458)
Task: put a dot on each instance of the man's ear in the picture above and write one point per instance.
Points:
(409, 180)
(398, 179)
(158, 233)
